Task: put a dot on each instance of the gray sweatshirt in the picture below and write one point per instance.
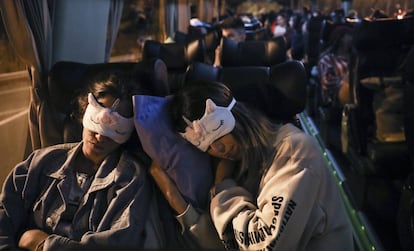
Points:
(298, 206)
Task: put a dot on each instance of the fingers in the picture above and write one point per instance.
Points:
(31, 239)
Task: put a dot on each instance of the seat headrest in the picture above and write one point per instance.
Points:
(181, 37)
(409, 66)
(212, 40)
(288, 83)
(381, 45)
(279, 91)
(176, 56)
(253, 52)
(258, 34)
(383, 33)
(201, 71)
(64, 81)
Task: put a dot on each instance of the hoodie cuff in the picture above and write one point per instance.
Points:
(188, 218)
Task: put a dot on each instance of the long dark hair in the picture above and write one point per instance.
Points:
(253, 131)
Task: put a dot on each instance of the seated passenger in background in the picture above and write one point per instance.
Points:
(89, 193)
(282, 28)
(297, 45)
(333, 67)
(231, 28)
(273, 189)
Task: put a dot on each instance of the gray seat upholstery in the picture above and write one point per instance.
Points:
(253, 52)
(279, 91)
(176, 56)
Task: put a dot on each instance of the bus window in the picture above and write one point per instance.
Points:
(137, 25)
(14, 103)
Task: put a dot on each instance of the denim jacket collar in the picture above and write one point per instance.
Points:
(104, 176)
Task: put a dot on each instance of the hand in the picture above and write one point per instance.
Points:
(168, 188)
(225, 169)
(31, 239)
(217, 56)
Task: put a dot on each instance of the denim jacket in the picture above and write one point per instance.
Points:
(113, 212)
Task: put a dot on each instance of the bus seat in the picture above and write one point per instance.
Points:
(393, 32)
(373, 127)
(180, 37)
(314, 45)
(66, 78)
(328, 116)
(406, 207)
(258, 34)
(408, 75)
(279, 91)
(176, 56)
(211, 41)
(253, 52)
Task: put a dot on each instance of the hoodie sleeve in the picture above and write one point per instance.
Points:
(277, 218)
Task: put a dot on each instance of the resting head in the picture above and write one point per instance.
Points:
(106, 106)
(202, 113)
(207, 115)
(250, 140)
(233, 28)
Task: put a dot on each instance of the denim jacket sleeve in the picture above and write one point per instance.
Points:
(15, 200)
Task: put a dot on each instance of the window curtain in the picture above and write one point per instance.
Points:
(33, 44)
(114, 20)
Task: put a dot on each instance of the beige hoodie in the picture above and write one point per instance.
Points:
(298, 206)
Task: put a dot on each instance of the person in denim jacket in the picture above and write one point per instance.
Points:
(93, 192)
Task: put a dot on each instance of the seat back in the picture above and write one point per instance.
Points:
(408, 75)
(253, 52)
(383, 33)
(405, 219)
(279, 91)
(211, 41)
(66, 79)
(375, 119)
(176, 56)
(314, 45)
(258, 34)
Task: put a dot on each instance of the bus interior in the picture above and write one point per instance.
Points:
(168, 42)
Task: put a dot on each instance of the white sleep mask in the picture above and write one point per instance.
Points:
(216, 122)
(106, 121)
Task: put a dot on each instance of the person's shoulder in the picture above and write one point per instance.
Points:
(50, 151)
(296, 137)
(50, 157)
(298, 145)
(132, 165)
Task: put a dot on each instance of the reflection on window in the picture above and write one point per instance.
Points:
(137, 26)
(9, 62)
